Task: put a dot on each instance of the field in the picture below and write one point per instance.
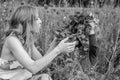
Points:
(108, 41)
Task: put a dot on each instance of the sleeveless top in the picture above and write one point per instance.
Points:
(4, 63)
(9, 69)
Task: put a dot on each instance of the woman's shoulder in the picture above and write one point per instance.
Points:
(11, 41)
(14, 35)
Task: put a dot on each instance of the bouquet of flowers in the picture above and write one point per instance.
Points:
(68, 66)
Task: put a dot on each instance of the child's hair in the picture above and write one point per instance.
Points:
(24, 16)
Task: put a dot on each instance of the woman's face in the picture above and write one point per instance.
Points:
(37, 23)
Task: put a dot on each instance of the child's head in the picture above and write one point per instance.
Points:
(26, 18)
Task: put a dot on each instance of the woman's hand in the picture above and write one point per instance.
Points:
(66, 47)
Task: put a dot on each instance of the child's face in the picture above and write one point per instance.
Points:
(37, 23)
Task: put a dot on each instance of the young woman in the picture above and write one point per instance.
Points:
(20, 58)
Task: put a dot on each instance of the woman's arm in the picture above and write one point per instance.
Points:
(22, 56)
(52, 45)
(36, 54)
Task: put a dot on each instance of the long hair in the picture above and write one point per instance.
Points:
(24, 16)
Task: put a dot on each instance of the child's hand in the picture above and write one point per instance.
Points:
(94, 25)
(92, 31)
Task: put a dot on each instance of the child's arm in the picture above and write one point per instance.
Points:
(93, 44)
(92, 49)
